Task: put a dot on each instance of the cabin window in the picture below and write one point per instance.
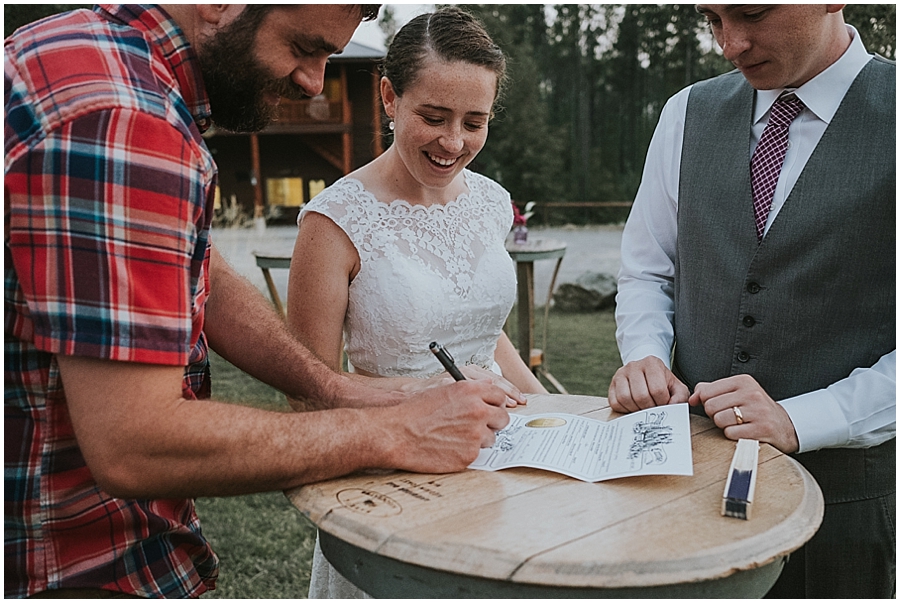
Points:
(316, 187)
(287, 192)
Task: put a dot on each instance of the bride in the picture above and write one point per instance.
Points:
(409, 249)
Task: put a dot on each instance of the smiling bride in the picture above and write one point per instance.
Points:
(409, 249)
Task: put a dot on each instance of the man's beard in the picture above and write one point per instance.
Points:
(236, 83)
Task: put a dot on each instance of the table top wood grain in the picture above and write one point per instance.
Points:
(542, 528)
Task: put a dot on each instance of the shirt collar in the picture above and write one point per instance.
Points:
(172, 45)
(823, 94)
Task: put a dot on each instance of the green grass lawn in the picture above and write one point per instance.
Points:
(265, 545)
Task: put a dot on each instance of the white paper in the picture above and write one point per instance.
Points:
(649, 442)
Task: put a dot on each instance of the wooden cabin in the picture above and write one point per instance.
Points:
(313, 143)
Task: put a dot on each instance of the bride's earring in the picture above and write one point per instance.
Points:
(391, 126)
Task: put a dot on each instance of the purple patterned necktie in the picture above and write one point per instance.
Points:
(765, 167)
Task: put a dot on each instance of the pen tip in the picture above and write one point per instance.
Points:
(433, 345)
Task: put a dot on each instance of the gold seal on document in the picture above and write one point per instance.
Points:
(546, 422)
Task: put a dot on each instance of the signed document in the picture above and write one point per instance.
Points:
(649, 442)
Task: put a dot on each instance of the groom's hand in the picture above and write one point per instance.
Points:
(645, 383)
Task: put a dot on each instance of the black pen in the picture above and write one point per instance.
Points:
(446, 360)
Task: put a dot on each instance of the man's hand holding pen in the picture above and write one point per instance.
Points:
(446, 427)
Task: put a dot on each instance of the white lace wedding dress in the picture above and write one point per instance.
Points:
(438, 273)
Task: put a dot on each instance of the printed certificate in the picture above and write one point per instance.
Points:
(649, 442)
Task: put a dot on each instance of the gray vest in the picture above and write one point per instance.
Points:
(815, 299)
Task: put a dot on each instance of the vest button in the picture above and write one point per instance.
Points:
(743, 356)
(749, 321)
(753, 288)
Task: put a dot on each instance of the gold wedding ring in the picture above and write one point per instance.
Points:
(737, 415)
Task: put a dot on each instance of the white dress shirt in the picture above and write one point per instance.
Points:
(856, 412)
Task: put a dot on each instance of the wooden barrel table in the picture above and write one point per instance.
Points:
(530, 533)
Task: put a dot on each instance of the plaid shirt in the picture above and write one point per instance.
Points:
(108, 190)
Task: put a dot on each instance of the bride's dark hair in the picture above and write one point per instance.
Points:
(452, 35)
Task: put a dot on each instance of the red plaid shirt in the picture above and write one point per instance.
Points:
(108, 190)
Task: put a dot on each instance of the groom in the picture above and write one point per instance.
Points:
(776, 274)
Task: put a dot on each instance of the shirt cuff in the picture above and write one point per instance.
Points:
(818, 420)
(645, 350)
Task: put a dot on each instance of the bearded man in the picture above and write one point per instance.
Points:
(114, 293)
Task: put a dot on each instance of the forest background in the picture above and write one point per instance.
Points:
(587, 84)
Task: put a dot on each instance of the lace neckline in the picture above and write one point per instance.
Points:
(437, 207)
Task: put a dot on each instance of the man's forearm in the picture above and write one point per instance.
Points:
(644, 321)
(163, 446)
(243, 327)
(859, 411)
